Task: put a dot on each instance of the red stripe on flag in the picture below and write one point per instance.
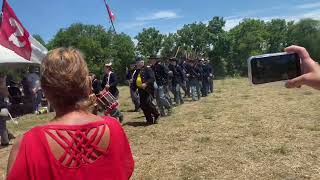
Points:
(111, 15)
(12, 33)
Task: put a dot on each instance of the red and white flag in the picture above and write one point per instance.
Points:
(111, 15)
(15, 37)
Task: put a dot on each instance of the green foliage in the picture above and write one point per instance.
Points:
(278, 35)
(149, 42)
(193, 38)
(227, 51)
(124, 54)
(248, 38)
(219, 45)
(98, 45)
(15, 75)
(169, 46)
(306, 33)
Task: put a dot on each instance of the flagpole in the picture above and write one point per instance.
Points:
(1, 14)
(114, 29)
(110, 18)
(3, 4)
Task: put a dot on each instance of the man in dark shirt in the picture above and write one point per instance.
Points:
(199, 69)
(143, 80)
(205, 78)
(185, 84)
(96, 84)
(110, 81)
(193, 75)
(177, 80)
(133, 93)
(211, 75)
(162, 77)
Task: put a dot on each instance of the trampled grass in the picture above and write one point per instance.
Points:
(239, 132)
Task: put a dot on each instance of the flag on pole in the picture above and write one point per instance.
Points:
(15, 37)
(111, 15)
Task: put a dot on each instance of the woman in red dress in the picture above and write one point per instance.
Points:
(76, 144)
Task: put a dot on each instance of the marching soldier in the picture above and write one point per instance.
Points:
(96, 84)
(193, 78)
(133, 93)
(162, 77)
(110, 83)
(207, 68)
(177, 80)
(143, 80)
(198, 67)
(205, 78)
(167, 86)
(211, 75)
(185, 84)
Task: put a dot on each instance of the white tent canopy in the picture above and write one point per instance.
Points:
(11, 59)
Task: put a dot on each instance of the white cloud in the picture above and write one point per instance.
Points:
(230, 23)
(130, 25)
(233, 21)
(166, 14)
(145, 21)
(312, 14)
(309, 5)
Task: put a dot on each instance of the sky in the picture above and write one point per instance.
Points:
(46, 17)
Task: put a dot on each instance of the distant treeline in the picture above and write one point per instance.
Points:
(227, 50)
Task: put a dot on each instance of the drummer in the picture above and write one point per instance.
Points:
(110, 81)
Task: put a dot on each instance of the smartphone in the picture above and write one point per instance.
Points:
(269, 68)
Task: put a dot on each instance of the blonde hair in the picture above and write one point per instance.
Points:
(65, 79)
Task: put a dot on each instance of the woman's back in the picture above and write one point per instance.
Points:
(94, 150)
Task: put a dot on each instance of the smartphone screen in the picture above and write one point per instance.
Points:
(274, 68)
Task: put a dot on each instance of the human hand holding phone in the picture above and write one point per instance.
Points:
(310, 70)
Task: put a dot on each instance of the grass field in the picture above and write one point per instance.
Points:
(239, 132)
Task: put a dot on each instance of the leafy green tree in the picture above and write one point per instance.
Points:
(219, 45)
(247, 39)
(98, 45)
(277, 37)
(124, 54)
(93, 41)
(169, 46)
(228, 51)
(306, 33)
(149, 41)
(193, 38)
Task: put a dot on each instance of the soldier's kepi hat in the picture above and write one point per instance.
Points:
(153, 57)
(173, 59)
(138, 59)
(190, 60)
(108, 64)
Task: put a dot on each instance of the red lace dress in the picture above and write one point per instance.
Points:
(82, 154)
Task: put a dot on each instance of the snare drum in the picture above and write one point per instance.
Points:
(106, 102)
